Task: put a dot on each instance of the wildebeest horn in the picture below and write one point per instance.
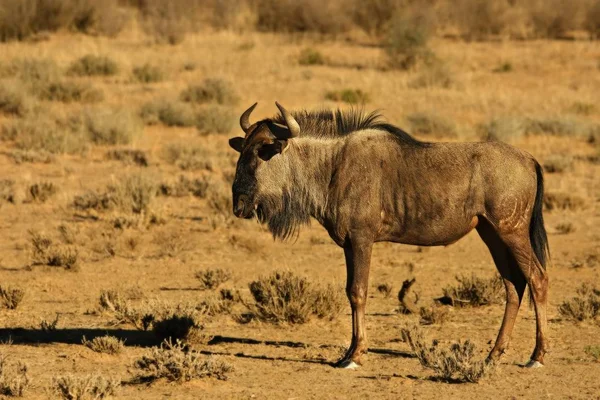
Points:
(289, 121)
(245, 118)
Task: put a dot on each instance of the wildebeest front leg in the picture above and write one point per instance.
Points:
(358, 261)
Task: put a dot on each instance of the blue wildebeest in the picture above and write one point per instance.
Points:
(368, 181)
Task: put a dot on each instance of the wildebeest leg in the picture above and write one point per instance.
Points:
(537, 279)
(358, 261)
(514, 282)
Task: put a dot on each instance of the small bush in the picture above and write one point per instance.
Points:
(310, 56)
(406, 42)
(176, 362)
(385, 289)
(478, 20)
(129, 156)
(169, 113)
(31, 156)
(92, 65)
(7, 190)
(565, 228)
(284, 297)
(111, 126)
(503, 67)
(585, 306)
(104, 344)
(148, 73)
(454, 363)
(350, 96)
(185, 186)
(221, 303)
(582, 108)
(562, 126)
(505, 129)
(592, 19)
(134, 193)
(41, 192)
(211, 90)
(429, 124)
(49, 326)
(563, 201)
(215, 119)
(45, 252)
(558, 163)
(187, 157)
(70, 387)
(70, 91)
(11, 297)
(13, 100)
(550, 23)
(593, 351)
(308, 16)
(475, 291)
(433, 315)
(212, 278)
(33, 70)
(436, 74)
(179, 323)
(14, 379)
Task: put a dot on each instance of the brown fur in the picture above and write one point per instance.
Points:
(366, 181)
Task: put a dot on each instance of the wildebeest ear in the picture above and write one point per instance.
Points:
(267, 151)
(237, 143)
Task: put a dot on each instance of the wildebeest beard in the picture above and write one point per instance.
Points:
(284, 215)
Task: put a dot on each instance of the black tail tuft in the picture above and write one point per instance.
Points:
(537, 232)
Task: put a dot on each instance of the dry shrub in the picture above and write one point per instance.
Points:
(592, 19)
(69, 91)
(456, 363)
(45, 252)
(221, 203)
(311, 16)
(187, 157)
(14, 379)
(177, 362)
(11, 297)
(475, 291)
(558, 163)
(219, 303)
(583, 307)
(285, 297)
(249, 244)
(503, 68)
(129, 156)
(184, 186)
(583, 108)
(170, 113)
(563, 201)
(478, 19)
(406, 41)
(141, 316)
(93, 65)
(593, 351)
(49, 326)
(31, 156)
(178, 323)
(7, 190)
(32, 70)
(560, 126)
(104, 344)
(168, 21)
(374, 16)
(505, 129)
(433, 315)
(42, 133)
(310, 56)
(148, 73)
(210, 90)
(553, 18)
(436, 74)
(13, 100)
(41, 192)
(385, 289)
(215, 119)
(564, 228)
(111, 126)
(350, 96)
(70, 387)
(212, 278)
(429, 124)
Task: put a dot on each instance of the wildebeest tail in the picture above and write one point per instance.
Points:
(537, 231)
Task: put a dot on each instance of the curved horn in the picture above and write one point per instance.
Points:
(245, 118)
(291, 123)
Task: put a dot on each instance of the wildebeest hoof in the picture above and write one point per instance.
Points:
(533, 364)
(347, 364)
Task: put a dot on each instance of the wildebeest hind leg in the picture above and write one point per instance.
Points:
(514, 282)
(358, 261)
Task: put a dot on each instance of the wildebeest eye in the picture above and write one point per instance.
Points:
(267, 151)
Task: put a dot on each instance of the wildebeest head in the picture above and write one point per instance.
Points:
(263, 140)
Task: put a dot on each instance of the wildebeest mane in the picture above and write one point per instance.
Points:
(334, 123)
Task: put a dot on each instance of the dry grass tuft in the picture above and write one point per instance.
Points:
(187, 157)
(436, 74)
(583, 307)
(69, 91)
(14, 379)
(111, 126)
(558, 163)
(13, 100)
(148, 73)
(285, 297)
(350, 96)
(212, 278)
(7, 190)
(32, 70)
(129, 156)
(211, 90)
(593, 351)
(41, 192)
(170, 113)
(70, 387)
(31, 156)
(184, 186)
(310, 56)
(177, 362)
(475, 291)
(429, 124)
(92, 65)
(49, 326)
(456, 363)
(221, 303)
(45, 252)
(564, 228)
(215, 119)
(104, 344)
(433, 315)
(563, 201)
(11, 297)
